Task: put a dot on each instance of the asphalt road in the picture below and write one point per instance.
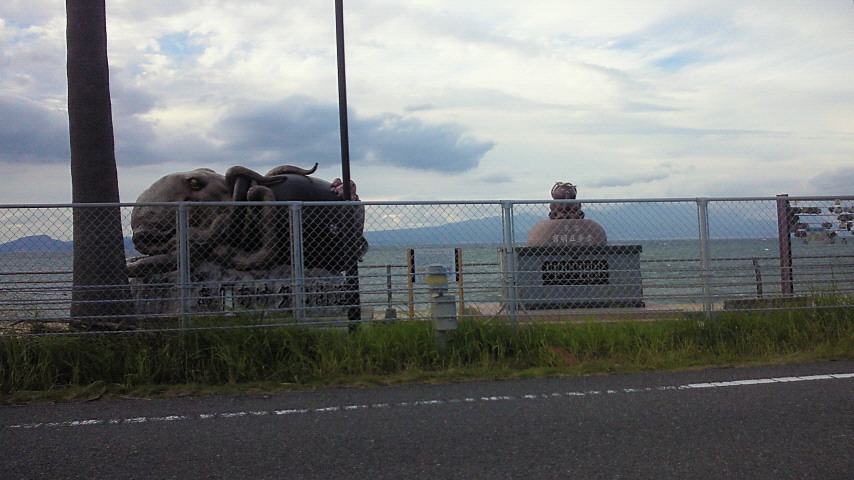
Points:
(793, 421)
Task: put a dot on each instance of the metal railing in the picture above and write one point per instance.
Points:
(286, 262)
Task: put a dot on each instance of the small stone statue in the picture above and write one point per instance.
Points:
(566, 225)
(565, 191)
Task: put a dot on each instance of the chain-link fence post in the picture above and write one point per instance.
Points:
(297, 263)
(182, 233)
(509, 275)
(705, 272)
(784, 218)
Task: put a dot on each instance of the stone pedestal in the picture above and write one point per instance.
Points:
(568, 264)
(567, 232)
(214, 289)
(579, 276)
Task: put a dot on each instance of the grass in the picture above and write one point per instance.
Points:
(75, 367)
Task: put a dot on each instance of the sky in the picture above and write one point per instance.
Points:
(452, 100)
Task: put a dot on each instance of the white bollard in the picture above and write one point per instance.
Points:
(443, 307)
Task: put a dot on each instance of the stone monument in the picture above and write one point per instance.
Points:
(569, 264)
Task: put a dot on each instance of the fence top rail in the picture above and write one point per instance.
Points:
(822, 198)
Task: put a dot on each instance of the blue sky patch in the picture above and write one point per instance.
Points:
(179, 44)
(678, 61)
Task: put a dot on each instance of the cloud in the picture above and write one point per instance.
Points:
(31, 132)
(663, 171)
(442, 24)
(679, 27)
(127, 99)
(303, 130)
(137, 142)
(394, 140)
(297, 128)
(27, 12)
(39, 134)
(603, 94)
(629, 179)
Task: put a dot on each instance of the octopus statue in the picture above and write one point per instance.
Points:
(255, 236)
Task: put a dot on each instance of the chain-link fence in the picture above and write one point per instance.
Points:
(209, 265)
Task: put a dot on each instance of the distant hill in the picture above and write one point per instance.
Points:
(44, 243)
(482, 230)
(36, 243)
(622, 222)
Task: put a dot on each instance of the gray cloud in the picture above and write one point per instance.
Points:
(136, 142)
(300, 129)
(628, 180)
(297, 128)
(664, 171)
(31, 132)
(407, 142)
(127, 99)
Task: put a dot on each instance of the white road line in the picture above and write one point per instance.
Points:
(290, 411)
(419, 403)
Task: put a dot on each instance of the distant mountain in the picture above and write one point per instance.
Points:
(481, 230)
(622, 222)
(44, 243)
(36, 243)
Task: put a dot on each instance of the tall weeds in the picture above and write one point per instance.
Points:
(479, 348)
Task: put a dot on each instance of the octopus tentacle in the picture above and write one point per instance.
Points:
(286, 169)
(238, 171)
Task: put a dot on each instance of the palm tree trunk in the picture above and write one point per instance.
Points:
(100, 280)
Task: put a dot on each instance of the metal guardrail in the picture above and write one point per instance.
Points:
(695, 255)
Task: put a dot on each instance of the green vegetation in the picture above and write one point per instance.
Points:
(268, 359)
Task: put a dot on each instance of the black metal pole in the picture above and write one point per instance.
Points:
(353, 299)
(342, 99)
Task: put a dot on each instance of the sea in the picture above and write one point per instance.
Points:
(37, 284)
(670, 269)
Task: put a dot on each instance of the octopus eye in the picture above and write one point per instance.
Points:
(196, 184)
